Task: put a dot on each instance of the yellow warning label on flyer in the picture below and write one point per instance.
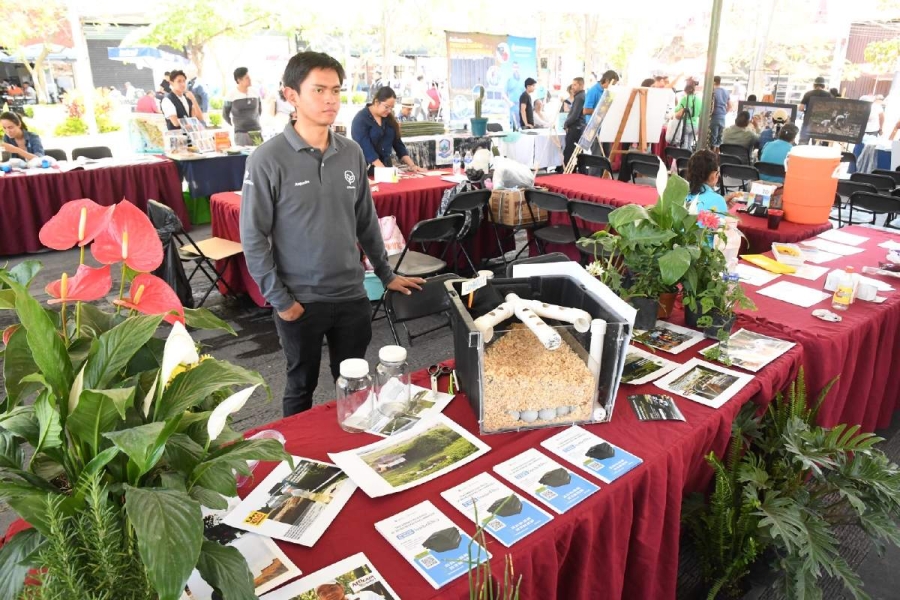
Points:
(256, 518)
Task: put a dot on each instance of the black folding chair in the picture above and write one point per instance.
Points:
(770, 169)
(631, 156)
(202, 254)
(895, 175)
(742, 152)
(883, 183)
(675, 153)
(553, 257)
(56, 153)
(736, 177)
(588, 164)
(475, 204)
(644, 170)
(92, 152)
(876, 204)
(551, 234)
(590, 212)
(431, 300)
(730, 159)
(849, 157)
(845, 189)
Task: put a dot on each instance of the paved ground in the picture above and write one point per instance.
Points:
(256, 347)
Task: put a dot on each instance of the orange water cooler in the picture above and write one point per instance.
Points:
(810, 184)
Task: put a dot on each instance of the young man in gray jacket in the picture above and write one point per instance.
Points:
(305, 204)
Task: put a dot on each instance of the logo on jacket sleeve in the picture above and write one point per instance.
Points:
(350, 177)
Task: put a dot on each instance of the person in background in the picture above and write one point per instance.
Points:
(148, 103)
(574, 124)
(661, 81)
(377, 84)
(242, 108)
(526, 109)
(566, 105)
(130, 93)
(875, 126)
(741, 133)
(407, 106)
(703, 179)
(179, 103)
(283, 107)
(721, 100)
(835, 93)
(817, 91)
(648, 83)
(17, 140)
(688, 111)
(30, 93)
(194, 86)
(751, 98)
(776, 152)
(779, 118)
(115, 94)
(165, 86)
(539, 119)
(377, 132)
(512, 91)
(312, 181)
(434, 105)
(592, 96)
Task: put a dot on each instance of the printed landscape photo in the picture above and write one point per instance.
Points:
(703, 382)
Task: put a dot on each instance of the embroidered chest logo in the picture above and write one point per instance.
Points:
(350, 177)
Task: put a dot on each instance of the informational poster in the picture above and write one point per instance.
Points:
(592, 453)
(353, 578)
(443, 150)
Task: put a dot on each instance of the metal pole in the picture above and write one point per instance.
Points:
(703, 142)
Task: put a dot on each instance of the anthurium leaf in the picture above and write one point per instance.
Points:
(673, 265)
(24, 272)
(182, 453)
(96, 465)
(12, 454)
(629, 213)
(17, 363)
(226, 571)
(22, 422)
(114, 349)
(201, 318)
(209, 473)
(209, 498)
(192, 387)
(676, 191)
(7, 299)
(97, 412)
(169, 528)
(148, 357)
(47, 347)
(28, 495)
(14, 565)
(144, 444)
(50, 430)
(219, 477)
(95, 322)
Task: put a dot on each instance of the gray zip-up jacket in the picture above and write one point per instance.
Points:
(302, 213)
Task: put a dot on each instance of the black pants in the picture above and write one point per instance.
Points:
(348, 328)
(572, 136)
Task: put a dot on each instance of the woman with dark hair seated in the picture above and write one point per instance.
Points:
(776, 152)
(17, 140)
(377, 132)
(703, 179)
(741, 133)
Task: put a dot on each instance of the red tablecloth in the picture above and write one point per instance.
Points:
(27, 202)
(863, 349)
(618, 193)
(410, 201)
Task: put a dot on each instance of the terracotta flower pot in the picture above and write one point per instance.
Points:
(666, 305)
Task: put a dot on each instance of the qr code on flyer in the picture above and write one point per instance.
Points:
(428, 562)
(495, 525)
(547, 494)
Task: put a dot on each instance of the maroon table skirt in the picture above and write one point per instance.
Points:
(619, 193)
(410, 201)
(29, 201)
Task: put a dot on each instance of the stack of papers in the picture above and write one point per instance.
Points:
(842, 237)
(792, 293)
(754, 276)
(832, 247)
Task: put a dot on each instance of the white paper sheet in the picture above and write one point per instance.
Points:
(832, 247)
(704, 383)
(670, 338)
(345, 573)
(422, 403)
(754, 275)
(842, 237)
(752, 351)
(397, 463)
(810, 272)
(889, 245)
(792, 293)
(294, 505)
(812, 255)
(546, 480)
(644, 367)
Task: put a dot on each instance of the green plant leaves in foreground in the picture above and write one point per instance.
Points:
(97, 412)
(169, 528)
(13, 553)
(225, 570)
(201, 318)
(143, 444)
(114, 348)
(191, 387)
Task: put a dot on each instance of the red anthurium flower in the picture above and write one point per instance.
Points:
(87, 285)
(77, 222)
(130, 238)
(8, 332)
(151, 295)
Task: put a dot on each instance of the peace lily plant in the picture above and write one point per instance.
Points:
(127, 430)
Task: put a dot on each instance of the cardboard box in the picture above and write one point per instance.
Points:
(508, 207)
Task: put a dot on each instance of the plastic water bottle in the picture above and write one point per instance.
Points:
(456, 163)
(45, 163)
(392, 389)
(354, 396)
(843, 292)
(468, 160)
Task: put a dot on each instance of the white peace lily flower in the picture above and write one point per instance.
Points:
(148, 399)
(662, 179)
(77, 387)
(179, 350)
(231, 405)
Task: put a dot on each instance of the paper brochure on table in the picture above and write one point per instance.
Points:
(644, 367)
(504, 514)
(889, 245)
(268, 564)
(294, 505)
(432, 543)
(809, 272)
(752, 351)
(422, 404)
(818, 257)
(704, 382)
(354, 578)
(842, 237)
(592, 453)
(670, 338)
(792, 293)
(432, 448)
(754, 275)
(546, 480)
(655, 407)
(832, 247)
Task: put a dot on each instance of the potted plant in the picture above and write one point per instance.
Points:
(128, 431)
(479, 125)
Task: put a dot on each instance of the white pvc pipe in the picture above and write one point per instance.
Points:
(598, 333)
(579, 318)
(548, 336)
(486, 323)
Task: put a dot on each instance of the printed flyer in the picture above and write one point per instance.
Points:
(704, 382)
(268, 564)
(435, 447)
(669, 338)
(655, 407)
(353, 578)
(431, 543)
(504, 514)
(592, 453)
(644, 367)
(422, 403)
(752, 351)
(294, 505)
(545, 479)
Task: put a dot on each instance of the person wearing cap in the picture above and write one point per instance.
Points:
(817, 91)
(526, 109)
(875, 126)
(779, 118)
(406, 110)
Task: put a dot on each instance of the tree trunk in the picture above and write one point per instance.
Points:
(37, 74)
(197, 52)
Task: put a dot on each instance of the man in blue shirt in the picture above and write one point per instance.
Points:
(721, 98)
(593, 95)
(776, 152)
(512, 92)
